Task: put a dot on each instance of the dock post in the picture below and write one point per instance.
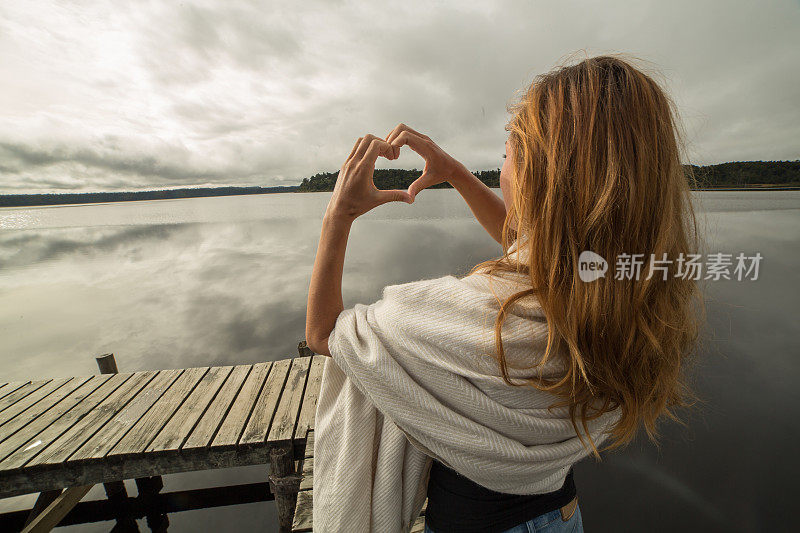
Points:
(107, 364)
(284, 483)
(304, 350)
(115, 490)
(148, 493)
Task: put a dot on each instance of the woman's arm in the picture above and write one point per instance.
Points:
(488, 208)
(325, 290)
(353, 195)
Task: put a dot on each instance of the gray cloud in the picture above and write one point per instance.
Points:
(116, 161)
(99, 97)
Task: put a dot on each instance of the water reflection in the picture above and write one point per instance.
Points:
(211, 281)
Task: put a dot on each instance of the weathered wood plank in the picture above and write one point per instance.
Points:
(82, 430)
(41, 395)
(418, 526)
(180, 425)
(12, 386)
(288, 411)
(236, 419)
(308, 474)
(211, 420)
(116, 428)
(21, 393)
(43, 413)
(309, 410)
(303, 514)
(53, 513)
(147, 427)
(255, 432)
(310, 444)
(26, 480)
(50, 425)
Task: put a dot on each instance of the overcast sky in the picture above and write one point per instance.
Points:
(104, 96)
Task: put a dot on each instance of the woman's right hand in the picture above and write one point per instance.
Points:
(439, 166)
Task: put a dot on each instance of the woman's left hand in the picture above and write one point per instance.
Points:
(355, 193)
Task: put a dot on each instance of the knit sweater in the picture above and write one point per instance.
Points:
(413, 377)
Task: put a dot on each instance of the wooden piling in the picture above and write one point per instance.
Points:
(116, 492)
(107, 364)
(284, 483)
(148, 493)
(304, 350)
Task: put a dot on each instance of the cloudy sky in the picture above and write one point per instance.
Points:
(104, 96)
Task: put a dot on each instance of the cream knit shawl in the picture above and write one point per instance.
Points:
(412, 377)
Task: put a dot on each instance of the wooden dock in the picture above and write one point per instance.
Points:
(73, 433)
(303, 514)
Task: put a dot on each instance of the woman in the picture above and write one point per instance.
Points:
(592, 164)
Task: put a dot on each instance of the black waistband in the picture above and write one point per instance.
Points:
(458, 504)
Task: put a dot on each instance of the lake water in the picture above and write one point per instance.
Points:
(211, 281)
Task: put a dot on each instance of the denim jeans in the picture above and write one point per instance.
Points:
(545, 523)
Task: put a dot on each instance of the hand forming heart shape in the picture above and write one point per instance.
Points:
(355, 193)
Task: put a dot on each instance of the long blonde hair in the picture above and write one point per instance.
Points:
(596, 153)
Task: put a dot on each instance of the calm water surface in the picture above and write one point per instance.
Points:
(210, 281)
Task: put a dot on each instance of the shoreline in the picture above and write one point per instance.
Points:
(753, 188)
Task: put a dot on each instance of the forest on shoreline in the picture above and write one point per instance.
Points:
(22, 200)
(740, 174)
(735, 175)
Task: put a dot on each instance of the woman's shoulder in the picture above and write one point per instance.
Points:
(474, 297)
(421, 285)
(481, 283)
(502, 284)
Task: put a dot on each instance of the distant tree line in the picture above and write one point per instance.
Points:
(737, 174)
(392, 178)
(16, 200)
(740, 174)
(747, 174)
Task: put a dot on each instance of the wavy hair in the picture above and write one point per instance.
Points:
(596, 153)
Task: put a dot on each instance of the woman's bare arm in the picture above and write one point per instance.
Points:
(488, 208)
(353, 195)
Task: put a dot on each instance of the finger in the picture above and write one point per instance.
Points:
(401, 128)
(394, 195)
(395, 150)
(422, 182)
(363, 146)
(389, 138)
(394, 133)
(354, 149)
(378, 147)
(415, 132)
(416, 143)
